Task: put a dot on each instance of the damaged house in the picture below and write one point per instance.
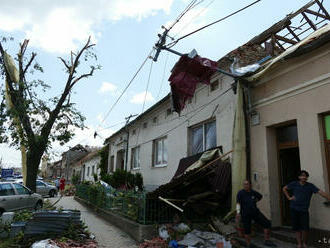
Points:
(275, 118)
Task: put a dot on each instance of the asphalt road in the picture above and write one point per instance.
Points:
(107, 235)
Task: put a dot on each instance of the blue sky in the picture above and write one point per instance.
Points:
(124, 32)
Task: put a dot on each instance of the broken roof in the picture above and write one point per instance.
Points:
(291, 31)
(275, 40)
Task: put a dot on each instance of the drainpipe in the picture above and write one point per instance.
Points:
(247, 111)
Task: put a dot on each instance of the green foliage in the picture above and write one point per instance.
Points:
(124, 179)
(95, 177)
(104, 154)
(75, 179)
(23, 215)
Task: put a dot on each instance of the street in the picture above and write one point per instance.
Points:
(107, 235)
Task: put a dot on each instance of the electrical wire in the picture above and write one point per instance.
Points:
(194, 17)
(210, 24)
(127, 86)
(190, 5)
(148, 82)
(188, 118)
(162, 82)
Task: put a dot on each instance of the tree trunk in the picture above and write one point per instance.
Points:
(32, 165)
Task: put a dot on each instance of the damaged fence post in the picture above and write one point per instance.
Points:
(170, 203)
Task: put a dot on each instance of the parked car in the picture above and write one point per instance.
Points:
(43, 188)
(14, 196)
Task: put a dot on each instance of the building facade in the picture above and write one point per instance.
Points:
(290, 130)
(159, 138)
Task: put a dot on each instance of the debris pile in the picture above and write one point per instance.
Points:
(201, 183)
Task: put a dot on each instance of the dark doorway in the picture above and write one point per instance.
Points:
(289, 163)
(120, 160)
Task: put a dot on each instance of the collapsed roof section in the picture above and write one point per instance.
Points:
(280, 36)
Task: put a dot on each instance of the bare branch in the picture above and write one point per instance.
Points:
(83, 76)
(29, 63)
(65, 64)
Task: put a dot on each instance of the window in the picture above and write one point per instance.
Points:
(214, 85)
(40, 184)
(6, 189)
(93, 170)
(21, 190)
(134, 132)
(160, 152)
(155, 119)
(135, 161)
(88, 171)
(203, 137)
(145, 125)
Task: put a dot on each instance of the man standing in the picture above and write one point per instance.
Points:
(247, 199)
(302, 192)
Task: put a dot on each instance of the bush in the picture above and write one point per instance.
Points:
(123, 179)
(75, 179)
(95, 177)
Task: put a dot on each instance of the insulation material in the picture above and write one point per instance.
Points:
(14, 77)
(239, 147)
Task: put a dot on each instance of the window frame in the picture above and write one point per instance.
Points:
(203, 125)
(155, 154)
(12, 188)
(133, 151)
(27, 190)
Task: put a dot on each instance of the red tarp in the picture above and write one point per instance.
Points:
(186, 74)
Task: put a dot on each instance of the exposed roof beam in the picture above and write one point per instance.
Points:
(309, 21)
(285, 39)
(293, 33)
(317, 14)
(322, 8)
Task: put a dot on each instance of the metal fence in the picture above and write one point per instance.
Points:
(132, 205)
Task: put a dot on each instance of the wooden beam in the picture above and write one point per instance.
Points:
(309, 21)
(293, 33)
(322, 8)
(280, 45)
(317, 14)
(285, 39)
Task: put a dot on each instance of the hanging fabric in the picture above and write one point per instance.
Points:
(186, 74)
(239, 146)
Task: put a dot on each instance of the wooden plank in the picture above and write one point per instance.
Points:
(285, 39)
(309, 21)
(293, 33)
(322, 8)
(317, 14)
(280, 45)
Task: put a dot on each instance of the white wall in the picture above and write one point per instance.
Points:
(95, 161)
(205, 105)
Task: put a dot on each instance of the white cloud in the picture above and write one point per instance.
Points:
(139, 98)
(107, 87)
(61, 29)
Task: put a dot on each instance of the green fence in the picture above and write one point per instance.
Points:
(132, 205)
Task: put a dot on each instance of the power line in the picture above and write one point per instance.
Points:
(198, 14)
(190, 5)
(127, 86)
(162, 82)
(148, 82)
(208, 25)
(190, 117)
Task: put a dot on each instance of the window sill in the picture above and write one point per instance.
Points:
(159, 166)
(135, 169)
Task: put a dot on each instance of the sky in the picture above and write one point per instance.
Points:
(124, 32)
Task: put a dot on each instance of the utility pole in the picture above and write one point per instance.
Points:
(127, 137)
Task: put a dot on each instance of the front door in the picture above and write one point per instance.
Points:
(289, 163)
(326, 129)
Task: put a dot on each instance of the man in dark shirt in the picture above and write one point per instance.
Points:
(247, 209)
(302, 192)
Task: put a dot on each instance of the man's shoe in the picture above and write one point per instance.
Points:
(270, 243)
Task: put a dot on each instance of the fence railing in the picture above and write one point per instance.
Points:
(132, 205)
